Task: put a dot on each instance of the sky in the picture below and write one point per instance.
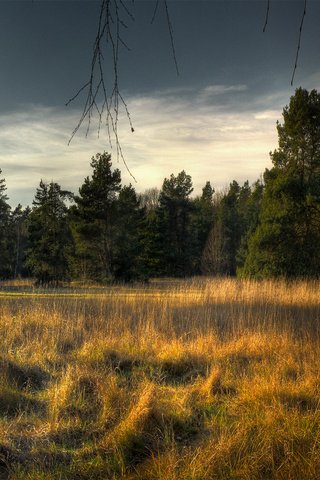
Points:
(216, 119)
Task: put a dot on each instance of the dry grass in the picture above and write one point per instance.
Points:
(189, 380)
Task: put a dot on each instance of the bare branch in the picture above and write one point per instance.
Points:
(171, 36)
(299, 41)
(169, 27)
(101, 99)
(155, 11)
(267, 16)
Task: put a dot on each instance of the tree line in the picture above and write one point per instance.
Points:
(108, 232)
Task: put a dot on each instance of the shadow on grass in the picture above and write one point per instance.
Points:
(24, 377)
(13, 403)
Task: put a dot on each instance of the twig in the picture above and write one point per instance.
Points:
(155, 11)
(171, 36)
(99, 99)
(299, 41)
(267, 16)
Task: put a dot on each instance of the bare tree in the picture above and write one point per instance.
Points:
(149, 199)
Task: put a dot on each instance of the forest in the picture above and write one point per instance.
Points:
(108, 232)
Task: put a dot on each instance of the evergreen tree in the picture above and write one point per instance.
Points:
(173, 247)
(152, 244)
(19, 240)
(127, 263)
(235, 217)
(202, 221)
(249, 210)
(49, 235)
(94, 221)
(287, 240)
(5, 247)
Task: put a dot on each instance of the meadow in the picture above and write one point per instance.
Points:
(199, 379)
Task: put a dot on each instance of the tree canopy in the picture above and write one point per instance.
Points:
(287, 240)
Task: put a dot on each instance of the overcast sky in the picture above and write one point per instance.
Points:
(216, 120)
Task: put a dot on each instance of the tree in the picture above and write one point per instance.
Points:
(202, 221)
(249, 208)
(94, 220)
(149, 199)
(5, 253)
(219, 256)
(235, 216)
(287, 239)
(127, 263)
(19, 239)
(173, 246)
(49, 235)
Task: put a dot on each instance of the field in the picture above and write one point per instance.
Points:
(175, 380)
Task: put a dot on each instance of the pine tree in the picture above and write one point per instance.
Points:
(173, 223)
(49, 235)
(127, 263)
(202, 221)
(5, 247)
(287, 240)
(19, 240)
(94, 221)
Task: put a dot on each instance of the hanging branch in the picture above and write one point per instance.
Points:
(299, 41)
(100, 99)
(155, 11)
(173, 49)
(267, 16)
(300, 34)
(171, 36)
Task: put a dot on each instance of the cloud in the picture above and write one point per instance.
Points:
(222, 89)
(211, 143)
(267, 115)
(172, 132)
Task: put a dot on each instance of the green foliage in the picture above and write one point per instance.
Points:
(202, 221)
(5, 250)
(235, 215)
(106, 224)
(19, 240)
(173, 224)
(94, 220)
(49, 235)
(128, 263)
(287, 240)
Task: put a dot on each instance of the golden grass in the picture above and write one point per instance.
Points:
(193, 380)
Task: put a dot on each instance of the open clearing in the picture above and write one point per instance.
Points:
(175, 380)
